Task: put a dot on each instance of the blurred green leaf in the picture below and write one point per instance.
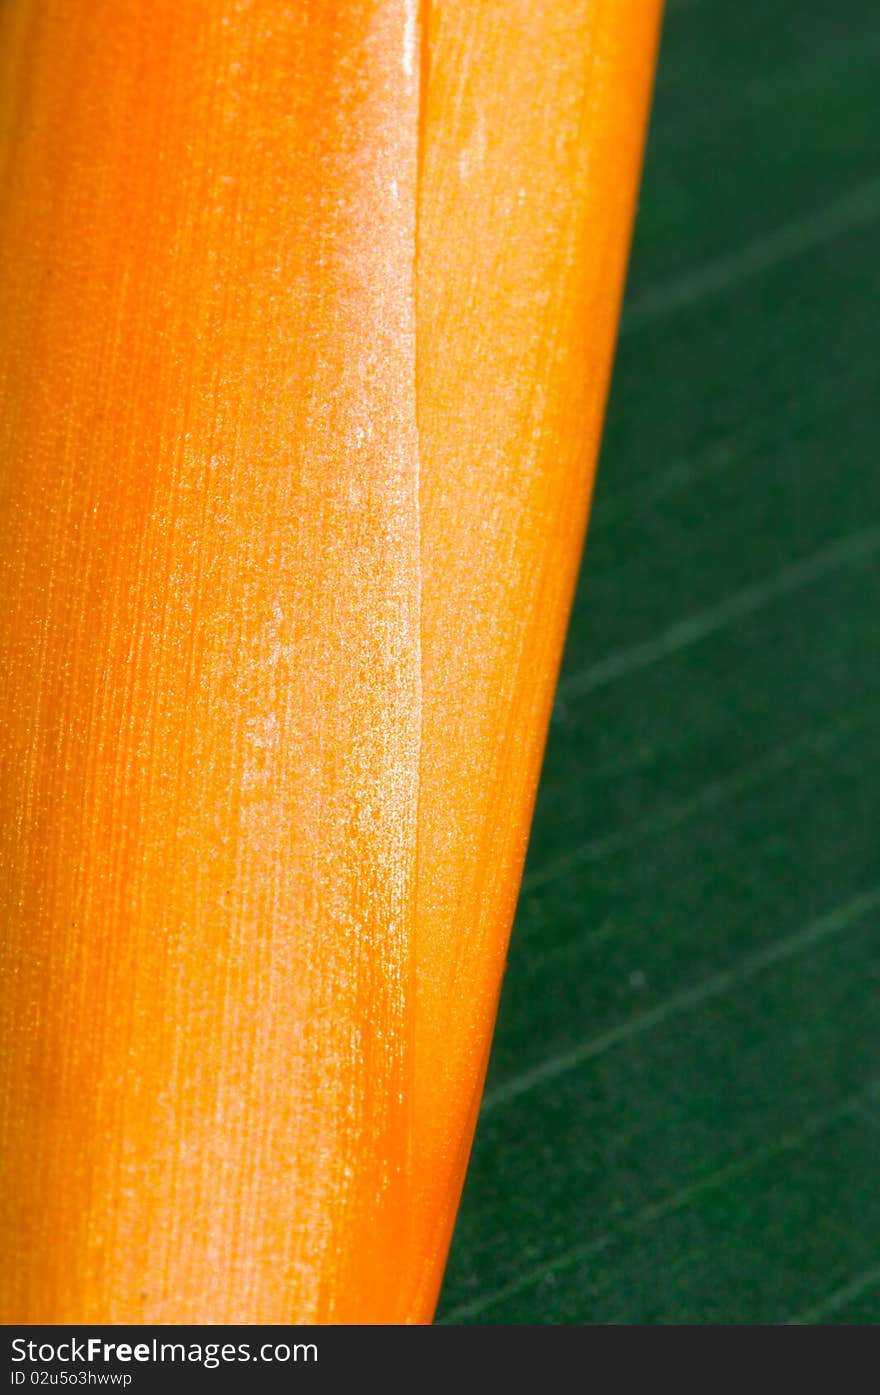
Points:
(681, 1120)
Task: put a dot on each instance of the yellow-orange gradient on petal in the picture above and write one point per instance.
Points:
(306, 314)
(534, 124)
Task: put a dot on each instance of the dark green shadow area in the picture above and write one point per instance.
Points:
(682, 1118)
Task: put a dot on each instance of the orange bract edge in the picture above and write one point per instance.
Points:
(306, 320)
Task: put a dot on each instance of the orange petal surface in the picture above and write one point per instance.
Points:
(209, 687)
(306, 319)
(534, 125)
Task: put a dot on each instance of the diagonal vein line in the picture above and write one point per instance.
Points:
(711, 797)
(848, 551)
(790, 240)
(716, 986)
(818, 402)
(838, 1298)
(672, 1202)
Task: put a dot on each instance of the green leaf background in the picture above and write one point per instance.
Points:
(682, 1118)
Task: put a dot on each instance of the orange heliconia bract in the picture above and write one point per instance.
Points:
(306, 319)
